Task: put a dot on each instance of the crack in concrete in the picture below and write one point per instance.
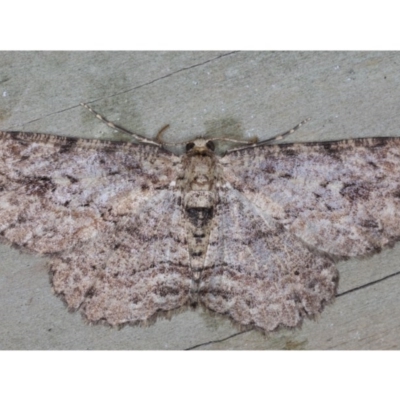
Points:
(168, 75)
(338, 295)
(130, 89)
(217, 341)
(368, 284)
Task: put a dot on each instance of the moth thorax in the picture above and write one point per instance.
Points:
(199, 199)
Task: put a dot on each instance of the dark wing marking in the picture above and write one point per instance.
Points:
(107, 214)
(342, 198)
(259, 274)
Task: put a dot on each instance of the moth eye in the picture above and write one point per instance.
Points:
(210, 145)
(189, 146)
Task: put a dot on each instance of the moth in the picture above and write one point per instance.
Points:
(133, 231)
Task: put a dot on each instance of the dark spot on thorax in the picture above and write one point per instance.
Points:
(199, 216)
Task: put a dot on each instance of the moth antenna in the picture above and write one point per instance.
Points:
(273, 139)
(139, 138)
(284, 134)
(252, 140)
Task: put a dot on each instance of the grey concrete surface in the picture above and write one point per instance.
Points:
(241, 94)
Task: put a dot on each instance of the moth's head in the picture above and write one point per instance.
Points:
(200, 147)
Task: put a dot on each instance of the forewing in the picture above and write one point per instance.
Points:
(107, 213)
(258, 273)
(57, 191)
(340, 197)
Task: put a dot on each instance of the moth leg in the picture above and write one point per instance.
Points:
(160, 133)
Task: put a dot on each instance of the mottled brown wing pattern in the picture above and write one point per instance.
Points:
(258, 273)
(341, 198)
(81, 183)
(133, 271)
(133, 230)
(106, 213)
